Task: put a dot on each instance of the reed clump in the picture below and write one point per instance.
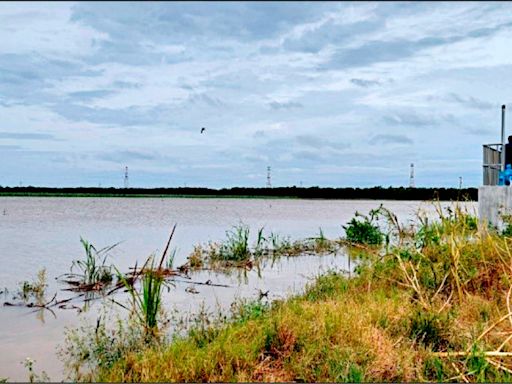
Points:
(236, 252)
(433, 304)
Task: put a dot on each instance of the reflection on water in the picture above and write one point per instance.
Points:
(45, 232)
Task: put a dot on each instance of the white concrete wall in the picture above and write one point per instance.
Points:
(494, 202)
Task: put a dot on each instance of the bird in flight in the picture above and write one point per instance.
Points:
(203, 129)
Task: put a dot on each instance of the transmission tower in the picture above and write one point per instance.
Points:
(412, 184)
(126, 177)
(460, 182)
(269, 179)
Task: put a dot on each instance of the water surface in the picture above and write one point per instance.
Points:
(45, 232)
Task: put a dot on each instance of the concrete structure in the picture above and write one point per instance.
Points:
(494, 201)
(495, 204)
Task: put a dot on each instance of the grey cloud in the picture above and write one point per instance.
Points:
(390, 139)
(285, 105)
(6, 147)
(480, 131)
(122, 156)
(320, 142)
(411, 119)
(259, 134)
(90, 95)
(26, 136)
(24, 78)
(126, 117)
(365, 83)
(330, 33)
(126, 84)
(175, 21)
(471, 102)
(202, 98)
(307, 155)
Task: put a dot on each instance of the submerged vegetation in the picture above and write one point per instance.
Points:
(429, 302)
(235, 251)
(433, 305)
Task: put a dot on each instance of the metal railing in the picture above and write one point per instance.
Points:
(492, 163)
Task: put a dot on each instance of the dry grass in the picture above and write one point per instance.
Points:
(434, 307)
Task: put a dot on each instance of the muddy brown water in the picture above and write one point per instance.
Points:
(45, 232)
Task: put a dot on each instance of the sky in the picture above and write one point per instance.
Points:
(333, 94)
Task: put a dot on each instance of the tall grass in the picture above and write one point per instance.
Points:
(433, 305)
(146, 304)
(236, 247)
(94, 268)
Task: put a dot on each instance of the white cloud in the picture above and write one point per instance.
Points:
(46, 29)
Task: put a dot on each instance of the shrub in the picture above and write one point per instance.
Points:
(361, 229)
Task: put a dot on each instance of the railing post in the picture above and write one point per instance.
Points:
(503, 137)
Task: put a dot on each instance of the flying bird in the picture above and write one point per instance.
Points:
(203, 129)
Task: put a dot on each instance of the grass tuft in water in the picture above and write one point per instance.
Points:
(94, 269)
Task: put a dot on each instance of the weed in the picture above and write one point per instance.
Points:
(362, 230)
(34, 290)
(94, 269)
(146, 305)
(434, 369)
(28, 363)
(430, 329)
(93, 347)
(236, 246)
(321, 244)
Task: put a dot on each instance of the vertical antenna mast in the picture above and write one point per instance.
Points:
(503, 137)
(412, 184)
(126, 177)
(460, 182)
(269, 180)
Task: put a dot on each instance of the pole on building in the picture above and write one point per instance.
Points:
(503, 137)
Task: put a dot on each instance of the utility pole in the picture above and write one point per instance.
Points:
(126, 184)
(412, 183)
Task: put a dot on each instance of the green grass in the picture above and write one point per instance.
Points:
(236, 252)
(362, 229)
(441, 290)
(33, 291)
(94, 268)
(147, 302)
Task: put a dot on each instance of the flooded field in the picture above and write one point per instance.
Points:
(46, 232)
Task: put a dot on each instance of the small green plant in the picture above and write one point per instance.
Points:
(321, 243)
(236, 246)
(34, 290)
(146, 304)
(260, 243)
(362, 230)
(429, 329)
(434, 369)
(90, 347)
(478, 365)
(94, 268)
(32, 376)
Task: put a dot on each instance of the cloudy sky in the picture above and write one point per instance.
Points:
(328, 94)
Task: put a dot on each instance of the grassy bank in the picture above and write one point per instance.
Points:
(433, 304)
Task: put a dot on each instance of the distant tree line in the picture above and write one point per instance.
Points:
(376, 193)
